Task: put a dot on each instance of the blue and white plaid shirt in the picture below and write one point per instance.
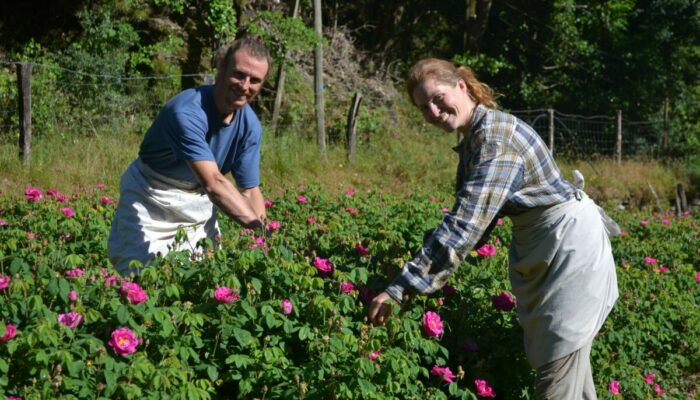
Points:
(504, 169)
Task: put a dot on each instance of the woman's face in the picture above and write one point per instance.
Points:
(443, 105)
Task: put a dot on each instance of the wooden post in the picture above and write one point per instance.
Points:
(24, 103)
(318, 79)
(352, 118)
(618, 142)
(681, 200)
(664, 144)
(281, 76)
(551, 130)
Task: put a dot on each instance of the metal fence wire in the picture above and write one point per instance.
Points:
(65, 99)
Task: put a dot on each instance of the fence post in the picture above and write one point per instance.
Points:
(551, 130)
(24, 105)
(352, 118)
(666, 127)
(318, 80)
(618, 142)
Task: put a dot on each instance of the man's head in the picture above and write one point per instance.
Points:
(241, 74)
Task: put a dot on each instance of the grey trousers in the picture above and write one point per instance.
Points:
(568, 378)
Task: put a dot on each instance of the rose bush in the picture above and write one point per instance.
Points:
(216, 325)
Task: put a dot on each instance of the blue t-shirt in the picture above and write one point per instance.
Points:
(190, 128)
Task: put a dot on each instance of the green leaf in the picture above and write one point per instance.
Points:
(123, 314)
(242, 336)
(212, 373)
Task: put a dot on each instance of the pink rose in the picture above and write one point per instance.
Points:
(10, 332)
(351, 210)
(310, 220)
(71, 319)
(258, 241)
(350, 192)
(124, 341)
(4, 282)
(657, 389)
(361, 250)
(13, 398)
(663, 269)
(52, 192)
(650, 260)
(274, 225)
(323, 265)
(4, 222)
(444, 210)
(614, 387)
(643, 222)
(499, 221)
(101, 185)
(444, 372)
(486, 250)
(223, 294)
(483, 389)
(31, 235)
(432, 324)
(287, 306)
(112, 280)
(373, 355)
(61, 199)
(503, 302)
(75, 273)
(302, 199)
(32, 194)
(624, 232)
(73, 295)
(649, 378)
(346, 287)
(268, 203)
(68, 212)
(697, 277)
(106, 200)
(133, 292)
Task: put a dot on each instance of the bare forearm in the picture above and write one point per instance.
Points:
(256, 200)
(232, 203)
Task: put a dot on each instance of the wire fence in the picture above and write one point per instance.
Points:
(67, 100)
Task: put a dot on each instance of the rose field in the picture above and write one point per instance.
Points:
(284, 316)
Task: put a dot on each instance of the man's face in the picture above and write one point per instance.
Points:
(239, 82)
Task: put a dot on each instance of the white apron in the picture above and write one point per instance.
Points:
(563, 275)
(151, 209)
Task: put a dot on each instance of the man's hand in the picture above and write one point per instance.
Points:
(380, 308)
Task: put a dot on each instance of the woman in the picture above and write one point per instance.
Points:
(561, 266)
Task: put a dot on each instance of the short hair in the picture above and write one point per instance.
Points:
(253, 45)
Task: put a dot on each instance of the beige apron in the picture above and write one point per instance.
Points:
(563, 276)
(151, 209)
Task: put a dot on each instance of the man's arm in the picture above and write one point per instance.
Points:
(256, 200)
(225, 195)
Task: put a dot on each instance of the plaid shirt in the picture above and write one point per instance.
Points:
(504, 169)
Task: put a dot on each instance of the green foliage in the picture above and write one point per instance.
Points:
(282, 33)
(194, 347)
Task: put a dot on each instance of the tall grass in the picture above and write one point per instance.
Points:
(415, 160)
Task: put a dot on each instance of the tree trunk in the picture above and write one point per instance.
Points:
(281, 75)
(476, 20)
(318, 80)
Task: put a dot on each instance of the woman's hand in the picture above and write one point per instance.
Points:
(380, 308)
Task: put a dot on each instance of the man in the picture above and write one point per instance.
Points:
(178, 179)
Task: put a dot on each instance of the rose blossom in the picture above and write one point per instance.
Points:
(432, 324)
(302, 199)
(323, 265)
(503, 302)
(101, 185)
(483, 389)
(10, 332)
(133, 292)
(274, 225)
(287, 306)
(486, 250)
(361, 250)
(3, 222)
(73, 295)
(499, 221)
(697, 277)
(649, 378)
(346, 287)
(614, 387)
(68, 212)
(350, 192)
(13, 398)
(650, 260)
(268, 203)
(351, 210)
(666, 221)
(106, 200)
(310, 220)
(444, 372)
(657, 389)
(224, 294)
(75, 273)
(4, 282)
(71, 319)
(124, 341)
(643, 222)
(32, 194)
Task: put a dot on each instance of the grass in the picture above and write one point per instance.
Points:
(418, 159)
